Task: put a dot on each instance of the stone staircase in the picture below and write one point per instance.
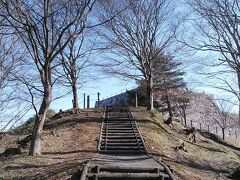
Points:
(122, 152)
(106, 172)
(120, 134)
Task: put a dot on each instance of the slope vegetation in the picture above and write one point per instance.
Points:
(207, 159)
(71, 139)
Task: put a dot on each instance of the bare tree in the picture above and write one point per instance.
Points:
(141, 30)
(12, 107)
(218, 29)
(41, 26)
(223, 117)
(182, 103)
(75, 60)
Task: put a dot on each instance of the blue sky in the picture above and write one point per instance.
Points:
(107, 87)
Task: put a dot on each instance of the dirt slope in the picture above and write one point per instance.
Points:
(70, 140)
(206, 159)
(67, 143)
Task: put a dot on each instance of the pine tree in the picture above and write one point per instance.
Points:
(167, 77)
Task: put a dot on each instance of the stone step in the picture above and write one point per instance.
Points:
(120, 141)
(118, 131)
(119, 134)
(117, 128)
(131, 169)
(118, 121)
(121, 148)
(130, 125)
(119, 137)
(130, 176)
(124, 152)
(121, 144)
(119, 125)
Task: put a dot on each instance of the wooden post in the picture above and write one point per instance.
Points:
(191, 124)
(229, 132)
(95, 177)
(88, 101)
(84, 101)
(208, 128)
(84, 172)
(236, 135)
(98, 99)
(136, 99)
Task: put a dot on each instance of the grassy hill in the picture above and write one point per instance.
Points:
(71, 139)
(205, 159)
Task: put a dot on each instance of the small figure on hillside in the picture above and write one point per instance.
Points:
(180, 146)
(192, 134)
(169, 122)
(58, 115)
(60, 111)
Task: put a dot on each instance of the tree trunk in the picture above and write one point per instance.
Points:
(169, 107)
(185, 117)
(223, 133)
(150, 94)
(75, 96)
(136, 99)
(238, 76)
(35, 146)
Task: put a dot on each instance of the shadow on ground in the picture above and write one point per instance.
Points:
(69, 152)
(218, 140)
(69, 122)
(197, 165)
(68, 168)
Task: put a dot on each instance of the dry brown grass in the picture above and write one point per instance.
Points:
(232, 140)
(204, 160)
(67, 142)
(71, 140)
